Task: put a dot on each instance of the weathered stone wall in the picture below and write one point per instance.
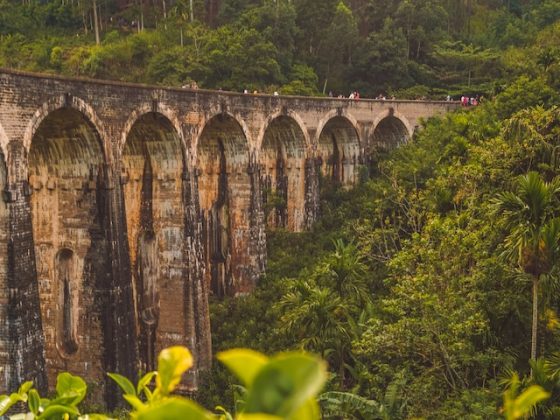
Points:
(125, 205)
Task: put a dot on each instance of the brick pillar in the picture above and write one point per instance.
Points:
(196, 288)
(121, 345)
(311, 191)
(257, 228)
(26, 340)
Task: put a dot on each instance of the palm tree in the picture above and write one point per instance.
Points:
(347, 272)
(318, 319)
(347, 405)
(533, 239)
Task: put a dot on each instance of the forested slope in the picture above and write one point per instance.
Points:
(410, 48)
(410, 285)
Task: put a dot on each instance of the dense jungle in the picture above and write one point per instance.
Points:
(432, 288)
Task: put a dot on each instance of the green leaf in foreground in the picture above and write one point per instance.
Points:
(123, 382)
(244, 363)
(70, 386)
(173, 409)
(172, 363)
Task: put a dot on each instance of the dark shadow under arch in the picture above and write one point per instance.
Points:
(338, 151)
(389, 133)
(225, 189)
(282, 160)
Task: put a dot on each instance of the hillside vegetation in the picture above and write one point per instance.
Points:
(407, 48)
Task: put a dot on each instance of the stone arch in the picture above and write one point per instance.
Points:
(158, 108)
(294, 116)
(153, 167)
(338, 148)
(282, 155)
(239, 125)
(69, 210)
(72, 102)
(390, 129)
(225, 189)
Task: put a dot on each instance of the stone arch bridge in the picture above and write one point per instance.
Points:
(124, 206)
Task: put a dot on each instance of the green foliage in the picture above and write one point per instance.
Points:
(284, 386)
(159, 403)
(433, 303)
(518, 405)
(370, 45)
(70, 391)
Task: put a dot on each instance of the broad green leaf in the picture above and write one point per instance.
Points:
(285, 383)
(145, 381)
(7, 401)
(69, 385)
(173, 409)
(244, 363)
(123, 382)
(134, 401)
(26, 386)
(56, 411)
(33, 401)
(172, 363)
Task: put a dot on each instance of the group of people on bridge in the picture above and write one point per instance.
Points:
(470, 100)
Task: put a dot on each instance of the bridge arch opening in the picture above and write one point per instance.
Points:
(282, 159)
(338, 151)
(224, 187)
(389, 133)
(68, 186)
(152, 177)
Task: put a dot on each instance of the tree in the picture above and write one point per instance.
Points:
(380, 62)
(458, 61)
(423, 23)
(534, 232)
(337, 48)
(96, 22)
(319, 308)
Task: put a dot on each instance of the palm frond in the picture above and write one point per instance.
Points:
(348, 406)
